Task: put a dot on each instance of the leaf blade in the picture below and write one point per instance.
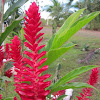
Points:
(72, 30)
(65, 27)
(73, 85)
(73, 74)
(15, 6)
(52, 55)
(8, 30)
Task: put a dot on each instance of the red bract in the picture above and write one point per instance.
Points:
(8, 73)
(93, 77)
(15, 98)
(29, 84)
(1, 56)
(0, 96)
(7, 52)
(16, 50)
(58, 93)
(92, 81)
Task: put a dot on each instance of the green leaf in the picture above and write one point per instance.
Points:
(66, 34)
(8, 30)
(6, 78)
(8, 66)
(15, 6)
(22, 34)
(49, 43)
(61, 97)
(65, 27)
(52, 55)
(49, 96)
(15, 33)
(73, 85)
(73, 74)
(70, 20)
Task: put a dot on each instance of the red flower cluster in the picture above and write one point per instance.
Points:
(29, 83)
(7, 52)
(92, 81)
(57, 94)
(93, 77)
(0, 96)
(1, 56)
(8, 73)
(15, 98)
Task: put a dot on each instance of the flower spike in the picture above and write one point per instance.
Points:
(1, 56)
(0, 96)
(29, 83)
(92, 81)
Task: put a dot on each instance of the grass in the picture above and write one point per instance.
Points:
(70, 60)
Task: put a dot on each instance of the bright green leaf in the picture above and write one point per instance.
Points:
(73, 74)
(66, 34)
(70, 20)
(15, 6)
(49, 96)
(8, 30)
(49, 44)
(15, 33)
(65, 27)
(22, 34)
(73, 85)
(52, 55)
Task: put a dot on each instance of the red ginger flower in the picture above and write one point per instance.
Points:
(92, 81)
(93, 77)
(7, 52)
(1, 56)
(0, 96)
(29, 84)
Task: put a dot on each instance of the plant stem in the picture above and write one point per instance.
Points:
(2, 17)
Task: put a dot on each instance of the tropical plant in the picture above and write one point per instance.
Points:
(4, 16)
(56, 11)
(59, 13)
(29, 80)
(91, 6)
(87, 92)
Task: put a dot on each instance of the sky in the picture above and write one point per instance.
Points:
(44, 14)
